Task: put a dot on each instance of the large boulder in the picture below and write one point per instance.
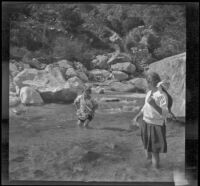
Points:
(53, 74)
(140, 83)
(120, 76)
(16, 66)
(53, 77)
(126, 67)
(49, 67)
(26, 74)
(173, 68)
(64, 94)
(100, 62)
(29, 96)
(99, 74)
(49, 83)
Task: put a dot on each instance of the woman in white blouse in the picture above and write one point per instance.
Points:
(154, 113)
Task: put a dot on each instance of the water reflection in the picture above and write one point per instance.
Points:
(117, 105)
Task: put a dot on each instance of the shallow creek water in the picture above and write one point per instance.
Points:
(46, 144)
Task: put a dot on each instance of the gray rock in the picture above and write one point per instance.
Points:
(70, 72)
(120, 76)
(99, 73)
(29, 96)
(140, 83)
(26, 74)
(50, 83)
(58, 94)
(174, 67)
(34, 63)
(65, 64)
(126, 67)
(100, 62)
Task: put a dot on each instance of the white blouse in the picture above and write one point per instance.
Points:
(151, 115)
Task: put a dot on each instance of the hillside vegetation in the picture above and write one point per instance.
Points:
(79, 32)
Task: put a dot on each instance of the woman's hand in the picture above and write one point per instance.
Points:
(134, 125)
(171, 116)
(135, 121)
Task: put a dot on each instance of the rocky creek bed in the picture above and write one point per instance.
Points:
(45, 144)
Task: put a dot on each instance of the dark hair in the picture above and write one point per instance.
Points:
(170, 100)
(153, 78)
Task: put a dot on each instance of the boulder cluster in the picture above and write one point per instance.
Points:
(34, 83)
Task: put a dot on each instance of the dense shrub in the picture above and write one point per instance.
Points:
(130, 23)
(132, 38)
(74, 50)
(81, 31)
(115, 25)
(71, 20)
(168, 48)
(153, 42)
(17, 52)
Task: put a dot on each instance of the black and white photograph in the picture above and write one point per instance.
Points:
(97, 92)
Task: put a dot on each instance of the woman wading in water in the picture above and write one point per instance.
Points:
(154, 114)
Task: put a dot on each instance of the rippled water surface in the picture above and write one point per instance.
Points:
(46, 144)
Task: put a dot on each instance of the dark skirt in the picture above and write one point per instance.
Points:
(153, 137)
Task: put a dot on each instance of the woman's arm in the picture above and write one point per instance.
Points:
(138, 114)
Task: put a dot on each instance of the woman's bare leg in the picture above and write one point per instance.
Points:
(86, 123)
(79, 123)
(148, 155)
(155, 159)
